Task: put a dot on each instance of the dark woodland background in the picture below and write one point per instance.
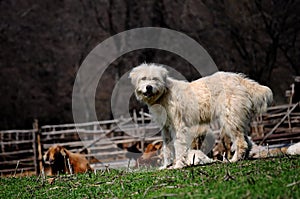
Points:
(43, 43)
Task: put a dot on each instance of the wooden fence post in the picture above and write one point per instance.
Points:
(290, 103)
(143, 131)
(36, 146)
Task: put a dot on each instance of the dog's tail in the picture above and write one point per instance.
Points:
(261, 96)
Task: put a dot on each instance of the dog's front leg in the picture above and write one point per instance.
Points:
(181, 147)
(168, 148)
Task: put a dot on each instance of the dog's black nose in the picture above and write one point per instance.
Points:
(149, 88)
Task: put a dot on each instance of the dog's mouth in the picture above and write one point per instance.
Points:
(148, 94)
(149, 91)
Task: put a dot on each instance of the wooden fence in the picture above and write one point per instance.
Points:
(281, 124)
(18, 150)
(103, 142)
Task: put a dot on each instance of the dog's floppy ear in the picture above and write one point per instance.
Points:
(164, 72)
(133, 75)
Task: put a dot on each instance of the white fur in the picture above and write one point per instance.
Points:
(184, 109)
(193, 157)
(294, 149)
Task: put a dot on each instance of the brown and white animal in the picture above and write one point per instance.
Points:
(151, 156)
(222, 149)
(181, 107)
(58, 157)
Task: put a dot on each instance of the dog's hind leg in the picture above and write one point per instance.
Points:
(241, 148)
(238, 134)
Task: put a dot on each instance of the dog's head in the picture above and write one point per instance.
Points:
(149, 81)
(55, 153)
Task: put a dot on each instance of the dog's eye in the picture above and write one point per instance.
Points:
(143, 78)
(155, 79)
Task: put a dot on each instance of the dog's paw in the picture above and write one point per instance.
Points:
(179, 164)
(234, 159)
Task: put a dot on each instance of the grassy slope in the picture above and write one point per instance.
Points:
(271, 178)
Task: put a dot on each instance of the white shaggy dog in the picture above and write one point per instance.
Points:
(184, 109)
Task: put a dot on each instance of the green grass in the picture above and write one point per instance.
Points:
(269, 178)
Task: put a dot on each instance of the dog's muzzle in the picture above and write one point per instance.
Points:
(149, 91)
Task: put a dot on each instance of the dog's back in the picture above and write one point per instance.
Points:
(228, 83)
(261, 96)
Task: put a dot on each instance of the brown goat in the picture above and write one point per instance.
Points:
(62, 160)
